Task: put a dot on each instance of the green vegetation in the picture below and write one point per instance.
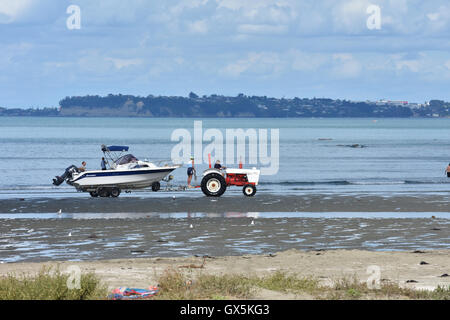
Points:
(31, 112)
(283, 282)
(225, 106)
(50, 284)
(174, 284)
(177, 285)
(350, 288)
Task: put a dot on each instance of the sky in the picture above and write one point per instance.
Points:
(340, 49)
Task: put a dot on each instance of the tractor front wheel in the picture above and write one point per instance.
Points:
(249, 190)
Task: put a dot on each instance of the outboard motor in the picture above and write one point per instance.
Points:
(66, 176)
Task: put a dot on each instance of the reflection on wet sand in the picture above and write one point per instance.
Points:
(170, 235)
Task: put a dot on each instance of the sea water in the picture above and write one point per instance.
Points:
(399, 155)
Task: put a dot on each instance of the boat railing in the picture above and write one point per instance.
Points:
(161, 163)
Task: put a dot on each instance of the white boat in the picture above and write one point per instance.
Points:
(125, 172)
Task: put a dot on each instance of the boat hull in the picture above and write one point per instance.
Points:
(123, 179)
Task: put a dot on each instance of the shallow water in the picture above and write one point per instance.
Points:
(253, 215)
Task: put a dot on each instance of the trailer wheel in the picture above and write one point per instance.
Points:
(93, 194)
(156, 186)
(249, 190)
(213, 185)
(115, 192)
(103, 192)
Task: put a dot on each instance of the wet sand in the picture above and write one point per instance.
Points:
(327, 266)
(34, 240)
(232, 203)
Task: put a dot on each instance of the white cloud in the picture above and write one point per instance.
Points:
(433, 16)
(123, 63)
(346, 66)
(350, 16)
(304, 61)
(262, 29)
(411, 65)
(199, 26)
(265, 64)
(163, 66)
(409, 62)
(187, 4)
(12, 54)
(256, 17)
(439, 20)
(94, 62)
(10, 10)
(239, 4)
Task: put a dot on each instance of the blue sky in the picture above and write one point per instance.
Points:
(304, 48)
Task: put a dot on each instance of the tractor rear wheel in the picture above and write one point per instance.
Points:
(213, 185)
(249, 190)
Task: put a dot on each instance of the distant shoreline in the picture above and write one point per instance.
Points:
(204, 117)
(241, 106)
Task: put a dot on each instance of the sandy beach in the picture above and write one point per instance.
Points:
(326, 265)
(131, 241)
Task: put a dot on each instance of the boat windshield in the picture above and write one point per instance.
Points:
(128, 158)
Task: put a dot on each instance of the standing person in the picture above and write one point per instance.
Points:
(103, 164)
(448, 170)
(83, 167)
(190, 172)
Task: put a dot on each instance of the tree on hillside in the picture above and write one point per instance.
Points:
(193, 96)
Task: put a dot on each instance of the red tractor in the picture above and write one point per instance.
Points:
(215, 181)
